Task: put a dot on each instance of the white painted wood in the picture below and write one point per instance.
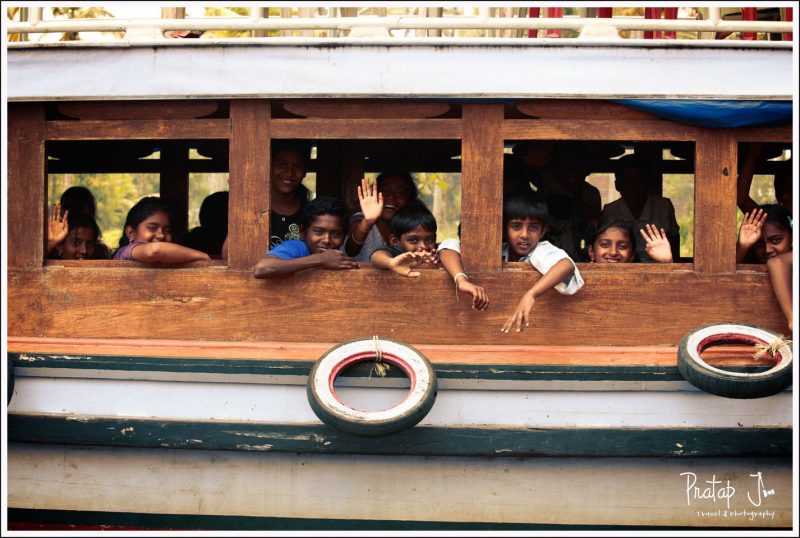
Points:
(573, 491)
(288, 404)
(443, 71)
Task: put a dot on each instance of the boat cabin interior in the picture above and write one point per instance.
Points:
(462, 148)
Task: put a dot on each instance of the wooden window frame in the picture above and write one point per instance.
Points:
(482, 131)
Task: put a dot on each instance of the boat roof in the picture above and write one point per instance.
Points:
(186, 69)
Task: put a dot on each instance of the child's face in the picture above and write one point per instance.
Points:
(325, 232)
(612, 246)
(154, 228)
(79, 244)
(396, 194)
(415, 240)
(287, 171)
(777, 240)
(523, 235)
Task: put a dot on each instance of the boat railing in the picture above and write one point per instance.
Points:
(317, 25)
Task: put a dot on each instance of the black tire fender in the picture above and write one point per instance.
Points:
(739, 385)
(405, 414)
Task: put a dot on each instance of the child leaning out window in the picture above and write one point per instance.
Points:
(147, 236)
(524, 225)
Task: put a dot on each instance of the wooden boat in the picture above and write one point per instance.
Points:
(176, 398)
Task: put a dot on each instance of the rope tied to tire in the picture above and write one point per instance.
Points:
(762, 350)
(378, 367)
(770, 379)
(331, 410)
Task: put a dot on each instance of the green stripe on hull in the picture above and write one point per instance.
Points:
(302, 368)
(74, 520)
(420, 440)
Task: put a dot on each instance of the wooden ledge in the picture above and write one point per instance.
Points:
(521, 355)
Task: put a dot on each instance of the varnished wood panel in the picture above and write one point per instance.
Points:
(613, 308)
(482, 187)
(361, 108)
(313, 128)
(138, 129)
(174, 184)
(580, 129)
(304, 352)
(26, 185)
(715, 202)
(248, 220)
(138, 110)
(593, 109)
(764, 134)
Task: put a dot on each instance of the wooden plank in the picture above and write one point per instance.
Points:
(201, 489)
(764, 134)
(418, 441)
(594, 109)
(26, 185)
(715, 202)
(138, 129)
(104, 353)
(248, 226)
(174, 184)
(362, 129)
(364, 108)
(550, 129)
(201, 166)
(482, 187)
(137, 110)
(334, 306)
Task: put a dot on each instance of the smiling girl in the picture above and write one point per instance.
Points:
(147, 236)
(371, 229)
(765, 233)
(613, 242)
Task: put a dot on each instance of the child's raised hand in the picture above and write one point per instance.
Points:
(657, 246)
(521, 316)
(370, 200)
(480, 300)
(405, 263)
(57, 227)
(336, 260)
(750, 230)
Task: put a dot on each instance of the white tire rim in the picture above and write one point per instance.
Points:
(706, 337)
(339, 359)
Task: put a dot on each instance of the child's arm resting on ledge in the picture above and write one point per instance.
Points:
(272, 266)
(521, 316)
(402, 264)
(451, 261)
(162, 252)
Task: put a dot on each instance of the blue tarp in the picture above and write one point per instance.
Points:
(708, 113)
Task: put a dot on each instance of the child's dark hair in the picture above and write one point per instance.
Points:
(83, 220)
(412, 216)
(79, 199)
(214, 211)
(632, 161)
(323, 205)
(299, 146)
(779, 216)
(528, 205)
(143, 209)
(405, 175)
(607, 223)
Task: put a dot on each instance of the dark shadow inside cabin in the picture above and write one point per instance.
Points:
(586, 183)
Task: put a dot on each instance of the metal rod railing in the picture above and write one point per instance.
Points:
(371, 25)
